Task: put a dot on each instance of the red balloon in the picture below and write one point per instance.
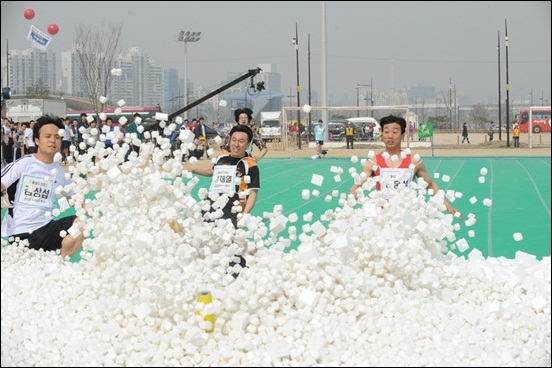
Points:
(53, 29)
(29, 14)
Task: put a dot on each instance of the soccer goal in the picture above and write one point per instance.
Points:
(308, 116)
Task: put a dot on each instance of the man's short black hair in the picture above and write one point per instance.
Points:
(242, 128)
(45, 120)
(393, 119)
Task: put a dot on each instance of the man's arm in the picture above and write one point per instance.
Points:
(368, 170)
(251, 200)
(421, 172)
(202, 170)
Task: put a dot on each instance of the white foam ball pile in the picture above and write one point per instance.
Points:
(367, 286)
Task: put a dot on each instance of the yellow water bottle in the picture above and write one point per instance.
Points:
(206, 298)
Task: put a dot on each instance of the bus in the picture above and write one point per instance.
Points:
(541, 119)
(146, 112)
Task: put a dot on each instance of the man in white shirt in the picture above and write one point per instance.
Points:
(36, 177)
(28, 141)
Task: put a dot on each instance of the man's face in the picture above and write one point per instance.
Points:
(238, 144)
(49, 140)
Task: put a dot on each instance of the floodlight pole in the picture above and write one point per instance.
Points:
(450, 103)
(187, 37)
(295, 41)
(310, 97)
(507, 90)
(499, 95)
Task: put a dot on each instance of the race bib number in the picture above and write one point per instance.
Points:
(37, 191)
(224, 179)
(392, 180)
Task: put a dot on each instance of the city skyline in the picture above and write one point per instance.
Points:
(396, 46)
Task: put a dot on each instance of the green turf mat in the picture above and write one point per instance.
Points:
(519, 189)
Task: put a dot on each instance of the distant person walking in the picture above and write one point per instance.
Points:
(410, 130)
(491, 131)
(465, 133)
(515, 135)
(370, 132)
(82, 125)
(349, 134)
(135, 136)
(319, 131)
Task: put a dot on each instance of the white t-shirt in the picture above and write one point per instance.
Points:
(35, 194)
(29, 137)
(68, 133)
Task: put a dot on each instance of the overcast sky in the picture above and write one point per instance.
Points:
(394, 44)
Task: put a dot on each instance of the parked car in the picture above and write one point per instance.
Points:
(336, 130)
(367, 121)
(212, 132)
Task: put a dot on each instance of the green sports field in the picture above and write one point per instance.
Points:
(519, 189)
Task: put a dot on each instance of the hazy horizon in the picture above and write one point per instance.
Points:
(396, 45)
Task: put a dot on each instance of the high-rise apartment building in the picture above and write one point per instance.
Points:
(139, 83)
(28, 67)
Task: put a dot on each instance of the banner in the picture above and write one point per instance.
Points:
(425, 131)
(38, 39)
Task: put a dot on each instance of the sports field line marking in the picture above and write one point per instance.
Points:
(490, 212)
(297, 184)
(535, 186)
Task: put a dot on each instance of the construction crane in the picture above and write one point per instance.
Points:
(250, 74)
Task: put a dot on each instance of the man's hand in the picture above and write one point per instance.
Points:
(6, 202)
